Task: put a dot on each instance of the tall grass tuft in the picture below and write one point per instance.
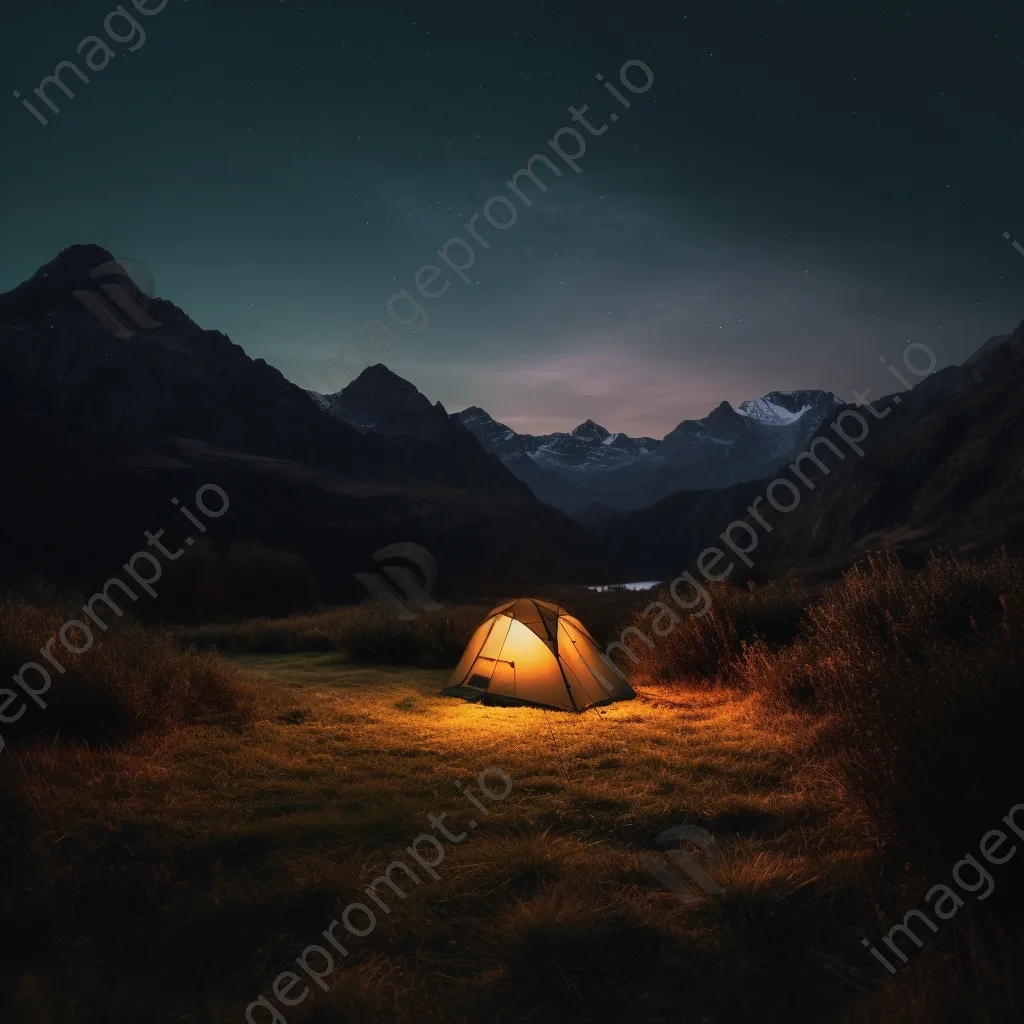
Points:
(919, 674)
(704, 649)
(129, 681)
(367, 633)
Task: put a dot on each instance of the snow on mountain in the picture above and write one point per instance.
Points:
(780, 408)
(768, 412)
(591, 465)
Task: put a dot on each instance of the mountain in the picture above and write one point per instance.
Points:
(111, 414)
(178, 380)
(943, 468)
(588, 445)
(589, 465)
(779, 408)
(378, 401)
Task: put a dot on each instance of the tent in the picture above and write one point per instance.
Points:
(534, 652)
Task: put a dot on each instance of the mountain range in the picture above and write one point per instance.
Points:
(103, 428)
(589, 465)
(943, 469)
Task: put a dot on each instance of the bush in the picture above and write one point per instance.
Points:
(919, 674)
(128, 681)
(368, 632)
(703, 649)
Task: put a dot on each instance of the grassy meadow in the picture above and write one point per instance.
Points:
(187, 822)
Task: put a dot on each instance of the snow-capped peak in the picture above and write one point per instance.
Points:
(771, 411)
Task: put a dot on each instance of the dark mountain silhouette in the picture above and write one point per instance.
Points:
(943, 469)
(105, 425)
(378, 401)
(178, 380)
(664, 539)
(103, 429)
(82, 497)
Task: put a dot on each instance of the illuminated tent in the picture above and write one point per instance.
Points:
(534, 652)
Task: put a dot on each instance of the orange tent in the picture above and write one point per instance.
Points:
(531, 651)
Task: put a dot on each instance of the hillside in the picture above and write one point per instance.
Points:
(943, 468)
(104, 430)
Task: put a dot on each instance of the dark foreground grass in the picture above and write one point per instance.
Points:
(173, 880)
(172, 877)
(366, 633)
(920, 677)
(369, 633)
(127, 680)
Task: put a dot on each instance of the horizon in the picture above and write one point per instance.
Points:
(882, 383)
(592, 419)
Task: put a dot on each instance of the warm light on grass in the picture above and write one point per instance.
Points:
(218, 850)
(242, 842)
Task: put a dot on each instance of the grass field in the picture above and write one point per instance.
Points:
(171, 869)
(176, 878)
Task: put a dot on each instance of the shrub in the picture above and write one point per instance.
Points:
(919, 674)
(368, 632)
(130, 680)
(704, 648)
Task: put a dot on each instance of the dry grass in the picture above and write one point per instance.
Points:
(171, 878)
(919, 674)
(178, 877)
(367, 633)
(129, 681)
(704, 649)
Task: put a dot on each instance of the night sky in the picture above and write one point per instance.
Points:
(802, 189)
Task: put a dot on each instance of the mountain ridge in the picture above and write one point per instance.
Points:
(589, 464)
(175, 401)
(942, 470)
